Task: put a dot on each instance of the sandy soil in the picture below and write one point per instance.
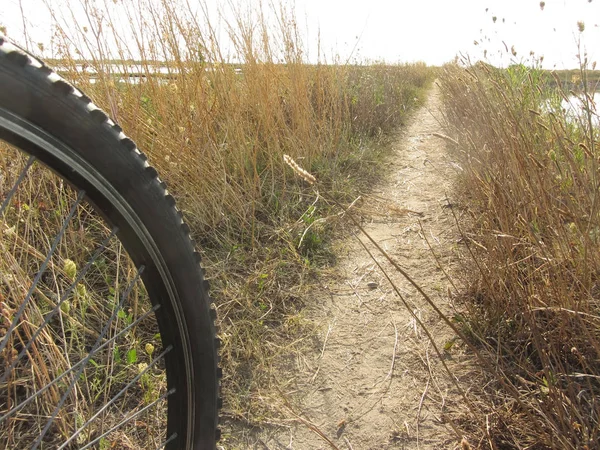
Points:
(373, 379)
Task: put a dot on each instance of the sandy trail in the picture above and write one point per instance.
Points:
(373, 381)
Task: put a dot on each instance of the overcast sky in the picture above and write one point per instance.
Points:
(434, 31)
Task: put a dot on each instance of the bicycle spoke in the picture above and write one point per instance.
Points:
(12, 191)
(124, 296)
(38, 276)
(128, 419)
(171, 438)
(114, 399)
(65, 295)
(75, 366)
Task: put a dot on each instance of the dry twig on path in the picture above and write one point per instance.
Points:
(329, 328)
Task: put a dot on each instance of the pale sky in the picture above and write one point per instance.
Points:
(433, 31)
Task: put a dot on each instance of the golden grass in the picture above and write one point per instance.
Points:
(231, 103)
(531, 186)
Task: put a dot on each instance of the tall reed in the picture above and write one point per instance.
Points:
(530, 183)
(230, 104)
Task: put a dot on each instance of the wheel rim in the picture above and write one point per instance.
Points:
(70, 383)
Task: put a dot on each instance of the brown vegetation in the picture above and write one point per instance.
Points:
(531, 185)
(216, 123)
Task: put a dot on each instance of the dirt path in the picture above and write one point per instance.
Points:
(374, 381)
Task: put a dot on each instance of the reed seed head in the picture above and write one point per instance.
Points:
(310, 179)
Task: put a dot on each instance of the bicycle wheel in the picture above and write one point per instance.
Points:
(107, 336)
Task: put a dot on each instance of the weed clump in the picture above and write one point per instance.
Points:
(531, 186)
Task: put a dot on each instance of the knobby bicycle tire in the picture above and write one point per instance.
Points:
(46, 117)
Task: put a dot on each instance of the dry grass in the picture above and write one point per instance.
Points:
(27, 229)
(531, 186)
(233, 99)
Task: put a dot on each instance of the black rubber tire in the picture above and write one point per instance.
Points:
(55, 122)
